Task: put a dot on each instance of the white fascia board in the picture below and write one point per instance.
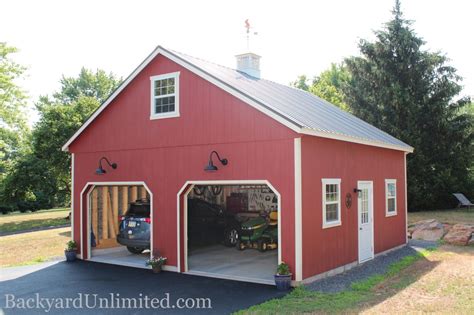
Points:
(340, 137)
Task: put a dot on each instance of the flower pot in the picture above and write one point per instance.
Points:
(156, 269)
(70, 255)
(283, 282)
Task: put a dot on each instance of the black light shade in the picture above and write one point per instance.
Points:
(100, 170)
(210, 165)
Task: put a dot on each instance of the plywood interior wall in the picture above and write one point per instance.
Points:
(107, 204)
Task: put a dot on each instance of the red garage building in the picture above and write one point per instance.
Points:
(337, 184)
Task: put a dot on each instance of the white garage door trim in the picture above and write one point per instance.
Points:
(188, 186)
(91, 186)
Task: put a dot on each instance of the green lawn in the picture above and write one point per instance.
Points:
(16, 222)
(452, 216)
(33, 247)
(441, 280)
(301, 300)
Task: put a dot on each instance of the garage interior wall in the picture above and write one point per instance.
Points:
(254, 198)
(107, 203)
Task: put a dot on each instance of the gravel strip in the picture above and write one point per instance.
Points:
(377, 266)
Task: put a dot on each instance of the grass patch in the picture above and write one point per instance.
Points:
(33, 247)
(17, 222)
(441, 283)
(301, 300)
(28, 225)
(451, 216)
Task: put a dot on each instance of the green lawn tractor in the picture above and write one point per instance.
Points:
(259, 233)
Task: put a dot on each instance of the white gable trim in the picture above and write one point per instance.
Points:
(282, 118)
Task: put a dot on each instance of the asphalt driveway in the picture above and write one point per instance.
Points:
(85, 283)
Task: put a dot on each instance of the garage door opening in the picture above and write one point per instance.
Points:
(120, 224)
(233, 231)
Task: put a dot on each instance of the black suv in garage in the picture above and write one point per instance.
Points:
(134, 230)
(209, 223)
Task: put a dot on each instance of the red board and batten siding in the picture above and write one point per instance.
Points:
(326, 249)
(165, 153)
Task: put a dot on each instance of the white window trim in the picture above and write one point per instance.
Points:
(154, 115)
(329, 181)
(390, 181)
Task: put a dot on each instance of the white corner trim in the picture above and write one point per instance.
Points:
(406, 198)
(81, 219)
(174, 113)
(298, 212)
(330, 181)
(71, 217)
(387, 182)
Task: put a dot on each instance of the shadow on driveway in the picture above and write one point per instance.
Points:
(68, 280)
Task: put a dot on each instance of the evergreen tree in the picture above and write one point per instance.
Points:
(411, 92)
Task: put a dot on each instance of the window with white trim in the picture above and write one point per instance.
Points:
(390, 197)
(165, 96)
(331, 202)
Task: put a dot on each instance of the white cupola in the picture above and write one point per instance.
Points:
(249, 63)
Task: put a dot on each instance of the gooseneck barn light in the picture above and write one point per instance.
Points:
(100, 170)
(210, 166)
(358, 192)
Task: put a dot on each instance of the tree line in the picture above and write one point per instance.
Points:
(414, 95)
(394, 84)
(34, 171)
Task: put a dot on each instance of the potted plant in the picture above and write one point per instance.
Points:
(70, 251)
(156, 262)
(283, 277)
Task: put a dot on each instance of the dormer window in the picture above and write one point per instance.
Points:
(165, 96)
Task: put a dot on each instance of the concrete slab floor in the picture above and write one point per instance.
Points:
(120, 256)
(216, 261)
(228, 262)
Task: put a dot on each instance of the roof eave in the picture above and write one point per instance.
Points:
(289, 122)
(312, 132)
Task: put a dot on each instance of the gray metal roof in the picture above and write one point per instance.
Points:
(299, 107)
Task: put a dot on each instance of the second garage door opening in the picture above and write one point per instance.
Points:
(232, 232)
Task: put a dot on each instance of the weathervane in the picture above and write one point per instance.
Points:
(247, 26)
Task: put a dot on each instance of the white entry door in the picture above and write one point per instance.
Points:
(365, 207)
